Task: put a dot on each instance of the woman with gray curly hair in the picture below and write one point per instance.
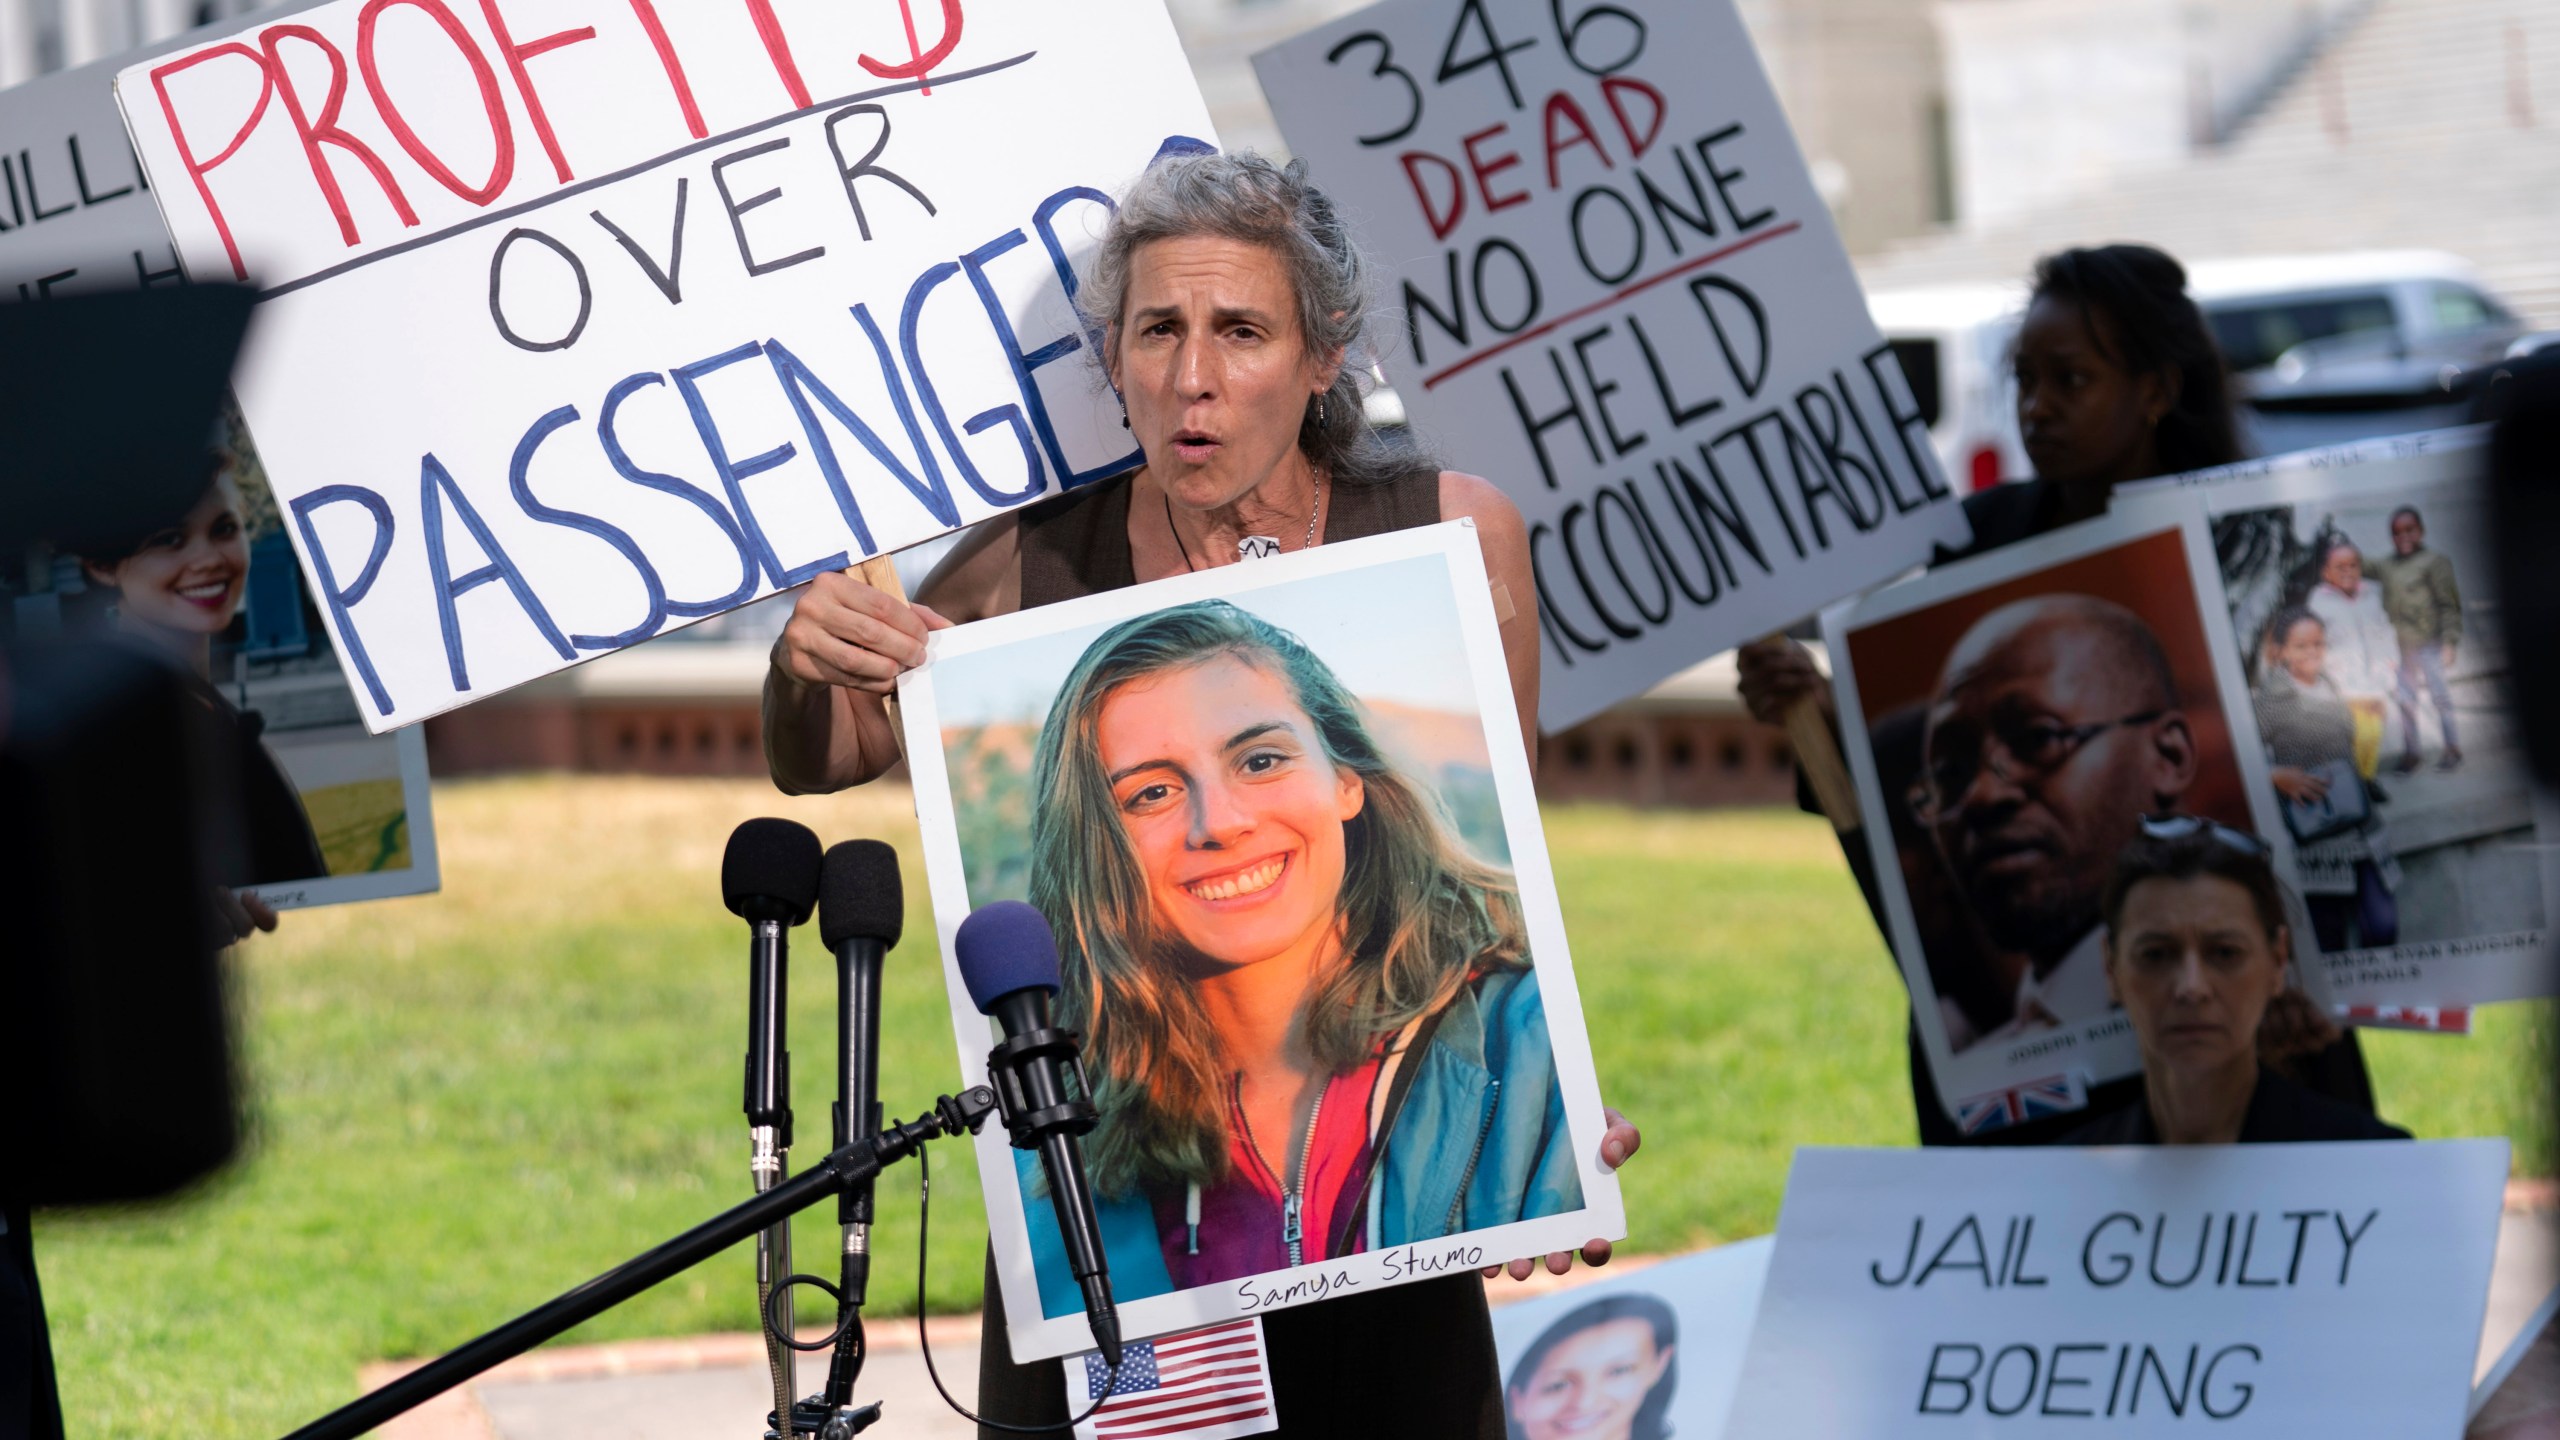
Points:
(1234, 310)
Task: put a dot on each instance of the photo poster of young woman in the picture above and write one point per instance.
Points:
(324, 811)
(1281, 821)
(2355, 582)
(1655, 1354)
(2009, 721)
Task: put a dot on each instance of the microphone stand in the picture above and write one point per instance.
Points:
(856, 1163)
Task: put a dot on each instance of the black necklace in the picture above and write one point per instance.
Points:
(1251, 547)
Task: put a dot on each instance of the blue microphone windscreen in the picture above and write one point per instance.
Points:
(770, 870)
(859, 894)
(1005, 947)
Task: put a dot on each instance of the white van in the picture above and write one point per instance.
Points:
(1953, 342)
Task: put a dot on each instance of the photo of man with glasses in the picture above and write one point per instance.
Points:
(2054, 729)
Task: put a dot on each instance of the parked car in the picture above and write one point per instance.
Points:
(2326, 348)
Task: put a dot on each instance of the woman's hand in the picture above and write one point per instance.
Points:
(235, 915)
(844, 632)
(1621, 1141)
(2300, 786)
(1775, 674)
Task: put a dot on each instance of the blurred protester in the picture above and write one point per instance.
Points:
(2118, 379)
(2197, 954)
(2055, 729)
(2342, 853)
(2424, 601)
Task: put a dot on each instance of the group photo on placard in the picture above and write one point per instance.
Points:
(1469, 719)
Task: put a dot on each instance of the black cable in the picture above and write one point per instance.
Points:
(924, 1215)
(844, 1315)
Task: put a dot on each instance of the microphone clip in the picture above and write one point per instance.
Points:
(1008, 1067)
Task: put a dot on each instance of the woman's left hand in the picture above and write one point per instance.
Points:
(1622, 1141)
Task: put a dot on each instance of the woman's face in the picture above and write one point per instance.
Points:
(1591, 1386)
(2304, 650)
(188, 579)
(2083, 416)
(1235, 813)
(2194, 968)
(1214, 368)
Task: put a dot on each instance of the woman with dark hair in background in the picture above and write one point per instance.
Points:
(2118, 379)
(1603, 1372)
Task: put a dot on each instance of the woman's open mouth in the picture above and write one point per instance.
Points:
(1239, 884)
(1195, 447)
(210, 595)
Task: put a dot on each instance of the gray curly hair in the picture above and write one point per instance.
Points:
(1245, 197)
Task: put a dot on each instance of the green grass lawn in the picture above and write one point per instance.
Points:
(468, 1102)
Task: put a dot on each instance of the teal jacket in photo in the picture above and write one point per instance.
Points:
(1478, 1139)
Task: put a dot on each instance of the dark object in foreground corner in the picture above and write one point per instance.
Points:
(2523, 398)
(852, 1165)
(107, 403)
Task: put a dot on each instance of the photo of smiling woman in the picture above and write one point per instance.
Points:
(172, 590)
(1603, 1372)
(1313, 1027)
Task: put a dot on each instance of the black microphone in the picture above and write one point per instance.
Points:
(861, 910)
(769, 878)
(1009, 961)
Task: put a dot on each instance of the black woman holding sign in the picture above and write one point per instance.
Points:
(1233, 304)
(2118, 379)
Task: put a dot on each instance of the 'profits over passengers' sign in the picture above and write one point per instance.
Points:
(586, 319)
(1625, 304)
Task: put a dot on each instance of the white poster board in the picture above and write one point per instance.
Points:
(2102, 632)
(76, 217)
(1627, 306)
(1482, 1142)
(2429, 862)
(571, 335)
(1655, 1352)
(2276, 1290)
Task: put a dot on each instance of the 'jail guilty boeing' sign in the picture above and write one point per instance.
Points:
(590, 318)
(2333, 1290)
(1624, 304)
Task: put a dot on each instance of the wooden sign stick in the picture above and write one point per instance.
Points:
(878, 573)
(1818, 756)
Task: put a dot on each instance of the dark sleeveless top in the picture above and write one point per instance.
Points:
(1326, 1378)
(1078, 544)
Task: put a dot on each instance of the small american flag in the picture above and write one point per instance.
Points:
(2441, 1020)
(2052, 1095)
(1198, 1385)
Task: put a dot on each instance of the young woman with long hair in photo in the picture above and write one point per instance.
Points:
(1311, 1022)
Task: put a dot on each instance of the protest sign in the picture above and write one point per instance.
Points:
(2356, 584)
(1627, 306)
(80, 219)
(2329, 1289)
(1213, 775)
(568, 337)
(2083, 666)
(1644, 1355)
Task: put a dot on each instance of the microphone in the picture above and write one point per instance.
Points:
(861, 910)
(769, 878)
(1009, 961)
